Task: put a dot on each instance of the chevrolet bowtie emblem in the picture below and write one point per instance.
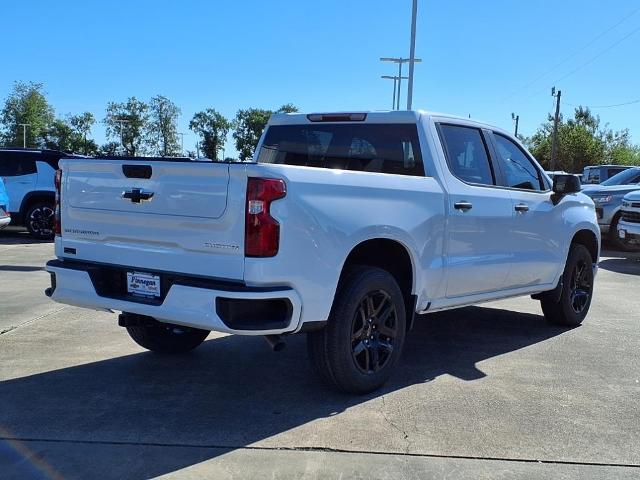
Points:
(137, 195)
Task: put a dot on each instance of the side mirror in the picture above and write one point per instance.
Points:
(566, 184)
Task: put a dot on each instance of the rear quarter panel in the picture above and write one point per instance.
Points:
(326, 213)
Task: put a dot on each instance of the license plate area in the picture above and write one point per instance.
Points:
(143, 284)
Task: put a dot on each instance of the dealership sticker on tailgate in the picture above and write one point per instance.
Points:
(140, 283)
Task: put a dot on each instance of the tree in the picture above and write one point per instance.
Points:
(127, 123)
(163, 127)
(26, 104)
(59, 136)
(62, 135)
(248, 126)
(213, 128)
(110, 149)
(581, 142)
(288, 108)
(82, 126)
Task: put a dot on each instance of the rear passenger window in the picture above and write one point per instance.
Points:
(16, 165)
(365, 147)
(467, 154)
(519, 170)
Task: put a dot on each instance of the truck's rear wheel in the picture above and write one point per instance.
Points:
(577, 291)
(362, 342)
(167, 337)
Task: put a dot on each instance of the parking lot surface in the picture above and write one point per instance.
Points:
(482, 392)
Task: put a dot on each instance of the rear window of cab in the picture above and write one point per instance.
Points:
(382, 148)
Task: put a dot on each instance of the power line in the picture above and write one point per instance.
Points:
(574, 54)
(593, 59)
(590, 61)
(603, 106)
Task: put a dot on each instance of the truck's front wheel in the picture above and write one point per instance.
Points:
(362, 342)
(577, 290)
(166, 337)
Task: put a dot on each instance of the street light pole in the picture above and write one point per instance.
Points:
(395, 86)
(516, 120)
(24, 133)
(399, 61)
(412, 54)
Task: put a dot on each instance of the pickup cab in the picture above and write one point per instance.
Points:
(345, 226)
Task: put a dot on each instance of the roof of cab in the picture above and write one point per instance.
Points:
(385, 116)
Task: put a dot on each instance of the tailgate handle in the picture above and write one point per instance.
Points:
(137, 171)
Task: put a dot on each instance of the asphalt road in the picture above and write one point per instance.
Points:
(482, 392)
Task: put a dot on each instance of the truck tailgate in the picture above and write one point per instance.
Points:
(185, 217)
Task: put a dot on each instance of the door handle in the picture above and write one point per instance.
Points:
(464, 206)
(522, 207)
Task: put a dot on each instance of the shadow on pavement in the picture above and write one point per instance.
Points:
(231, 392)
(625, 263)
(19, 268)
(18, 236)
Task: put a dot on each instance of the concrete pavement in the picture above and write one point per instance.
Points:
(483, 392)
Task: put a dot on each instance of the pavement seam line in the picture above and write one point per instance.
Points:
(320, 450)
(27, 322)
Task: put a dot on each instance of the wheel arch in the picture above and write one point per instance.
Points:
(393, 257)
(590, 240)
(35, 197)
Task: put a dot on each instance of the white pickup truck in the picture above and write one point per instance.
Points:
(345, 226)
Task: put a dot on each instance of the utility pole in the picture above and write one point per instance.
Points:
(395, 85)
(24, 133)
(516, 120)
(556, 121)
(181, 143)
(412, 53)
(400, 61)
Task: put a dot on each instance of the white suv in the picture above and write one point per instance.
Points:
(28, 177)
(629, 224)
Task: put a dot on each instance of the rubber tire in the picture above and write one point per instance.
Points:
(167, 338)
(27, 224)
(561, 312)
(615, 241)
(330, 348)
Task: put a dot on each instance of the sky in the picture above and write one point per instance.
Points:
(483, 59)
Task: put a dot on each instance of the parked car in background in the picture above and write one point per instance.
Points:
(600, 173)
(629, 224)
(608, 200)
(5, 217)
(629, 176)
(29, 181)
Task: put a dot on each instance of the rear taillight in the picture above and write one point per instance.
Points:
(56, 220)
(262, 231)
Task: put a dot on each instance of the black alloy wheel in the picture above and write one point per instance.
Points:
(39, 221)
(373, 332)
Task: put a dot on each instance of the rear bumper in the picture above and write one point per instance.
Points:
(234, 309)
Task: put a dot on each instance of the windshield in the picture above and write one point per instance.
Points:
(631, 175)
